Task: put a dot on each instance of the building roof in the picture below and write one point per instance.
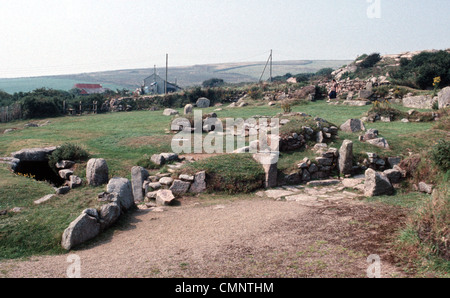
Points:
(86, 89)
(88, 86)
(154, 77)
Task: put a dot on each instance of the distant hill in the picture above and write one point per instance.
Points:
(184, 76)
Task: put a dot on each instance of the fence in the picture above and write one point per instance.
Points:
(11, 113)
(79, 109)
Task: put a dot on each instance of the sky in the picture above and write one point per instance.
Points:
(51, 37)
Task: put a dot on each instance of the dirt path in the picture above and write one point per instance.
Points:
(323, 236)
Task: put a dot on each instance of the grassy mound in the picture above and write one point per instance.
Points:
(230, 173)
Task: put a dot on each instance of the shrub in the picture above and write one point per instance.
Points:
(432, 223)
(370, 60)
(440, 155)
(324, 72)
(384, 108)
(231, 173)
(422, 69)
(321, 92)
(381, 91)
(400, 92)
(214, 82)
(35, 106)
(255, 92)
(286, 106)
(67, 151)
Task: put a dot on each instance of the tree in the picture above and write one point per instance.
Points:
(214, 82)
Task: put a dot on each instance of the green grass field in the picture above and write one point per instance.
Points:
(125, 138)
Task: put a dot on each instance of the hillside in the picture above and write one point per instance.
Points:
(183, 75)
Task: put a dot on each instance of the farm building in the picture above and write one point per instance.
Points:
(87, 89)
(154, 84)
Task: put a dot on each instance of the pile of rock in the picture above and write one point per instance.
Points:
(371, 137)
(373, 161)
(65, 171)
(117, 105)
(320, 168)
(162, 189)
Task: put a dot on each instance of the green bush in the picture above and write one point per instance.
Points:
(214, 82)
(230, 173)
(35, 106)
(420, 71)
(440, 155)
(381, 91)
(255, 92)
(67, 151)
(370, 60)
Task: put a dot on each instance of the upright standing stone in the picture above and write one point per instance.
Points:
(377, 184)
(122, 187)
(97, 172)
(203, 102)
(444, 98)
(353, 125)
(138, 176)
(188, 109)
(270, 165)
(346, 157)
(199, 184)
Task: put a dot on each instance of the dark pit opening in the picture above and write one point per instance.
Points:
(39, 170)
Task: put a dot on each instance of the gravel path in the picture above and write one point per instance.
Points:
(245, 237)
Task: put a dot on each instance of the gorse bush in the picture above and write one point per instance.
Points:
(440, 155)
(67, 151)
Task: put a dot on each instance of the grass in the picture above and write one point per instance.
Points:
(123, 139)
(231, 173)
(37, 229)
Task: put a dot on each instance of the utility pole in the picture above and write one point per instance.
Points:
(167, 71)
(267, 63)
(271, 63)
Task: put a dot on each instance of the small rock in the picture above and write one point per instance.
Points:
(65, 174)
(180, 187)
(426, 188)
(166, 181)
(16, 209)
(63, 190)
(170, 112)
(64, 164)
(187, 178)
(394, 176)
(75, 181)
(164, 197)
(44, 199)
